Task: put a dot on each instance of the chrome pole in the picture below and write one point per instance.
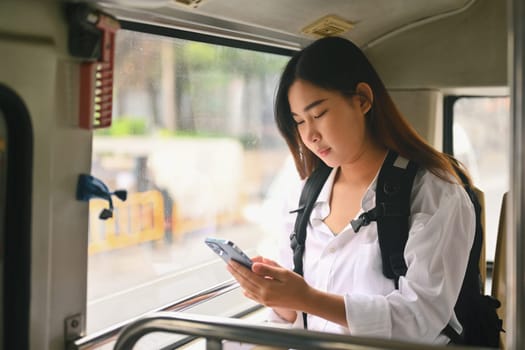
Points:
(515, 221)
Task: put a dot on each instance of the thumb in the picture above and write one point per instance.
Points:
(261, 259)
(270, 262)
(274, 272)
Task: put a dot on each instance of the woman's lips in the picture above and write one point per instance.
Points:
(323, 152)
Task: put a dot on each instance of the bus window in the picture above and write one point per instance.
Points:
(193, 141)
(478, 126)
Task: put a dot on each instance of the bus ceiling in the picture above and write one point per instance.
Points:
(402, 44)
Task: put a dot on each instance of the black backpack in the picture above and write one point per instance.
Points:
(476, 312)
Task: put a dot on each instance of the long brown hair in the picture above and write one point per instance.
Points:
(337, 64)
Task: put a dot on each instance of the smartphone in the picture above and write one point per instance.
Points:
(227, 250)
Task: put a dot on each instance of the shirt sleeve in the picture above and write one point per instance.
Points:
(442, 228)
(274, 319)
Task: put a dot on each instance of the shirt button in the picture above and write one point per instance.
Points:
(332, 250)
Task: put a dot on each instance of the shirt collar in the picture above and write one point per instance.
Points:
(324, 195)
(368, 200)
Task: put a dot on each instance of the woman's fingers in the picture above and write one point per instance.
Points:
(266, 284)
(258, 258)
(246, 278)
(238, 271)
(264, 260)
(262, 270)
(269, 271)
(252, 283)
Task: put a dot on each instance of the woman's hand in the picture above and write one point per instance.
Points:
(285, 291)
(270, 284)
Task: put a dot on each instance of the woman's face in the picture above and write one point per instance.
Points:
(330, 124)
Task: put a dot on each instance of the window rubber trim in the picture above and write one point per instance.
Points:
(448, 123)
(17, 226)
(205, 38)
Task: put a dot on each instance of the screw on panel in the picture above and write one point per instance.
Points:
(73, 329)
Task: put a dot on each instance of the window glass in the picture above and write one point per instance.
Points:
(480, 124)
(193, 141)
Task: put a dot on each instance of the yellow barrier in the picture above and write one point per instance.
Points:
(139, 219)
(182, 225)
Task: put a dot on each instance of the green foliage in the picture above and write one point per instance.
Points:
(207, 57)
(165, 133)
(125, 126)
(199, 55)
(252, 63)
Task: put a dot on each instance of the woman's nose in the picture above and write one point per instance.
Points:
(312, 134)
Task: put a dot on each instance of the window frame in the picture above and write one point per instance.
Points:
(449, 102)
(16, 295)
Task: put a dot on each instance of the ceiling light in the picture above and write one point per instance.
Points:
(330, 25)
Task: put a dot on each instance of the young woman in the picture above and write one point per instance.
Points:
(332, 107)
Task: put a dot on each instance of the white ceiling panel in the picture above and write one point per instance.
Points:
(373, 19)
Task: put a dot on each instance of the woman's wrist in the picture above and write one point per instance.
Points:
(309, 299)
(325, 305)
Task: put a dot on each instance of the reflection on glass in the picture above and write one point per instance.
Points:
(479, 123)
(193, 141)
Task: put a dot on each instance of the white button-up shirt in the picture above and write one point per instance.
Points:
(442, 227)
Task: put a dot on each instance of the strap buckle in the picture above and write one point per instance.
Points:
(293, 240)
(364, 219)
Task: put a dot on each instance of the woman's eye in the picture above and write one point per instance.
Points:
(299, 122)
(321, 114)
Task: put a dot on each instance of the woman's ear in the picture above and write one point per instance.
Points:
(366, 96)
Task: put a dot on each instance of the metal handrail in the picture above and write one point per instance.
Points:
(110, 334)
(216, 329)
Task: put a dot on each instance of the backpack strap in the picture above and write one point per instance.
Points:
(392, 212)
(309, 194)
(394, 187)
